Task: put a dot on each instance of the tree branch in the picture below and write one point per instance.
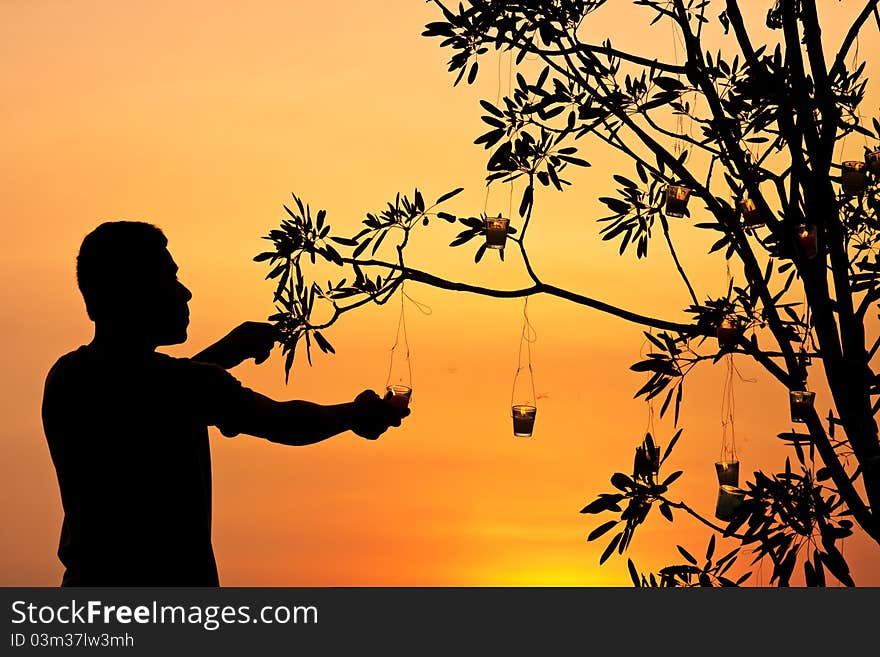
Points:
(852, 33)
(543, 288)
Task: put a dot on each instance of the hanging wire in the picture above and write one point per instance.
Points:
(853, 65)
(649, 428)
(528, 336)
(401, 330)
(425, 309)
(807, 331)
(678, 145)
(509, 138)
(728, 409)
(855, 62)
(509, 92)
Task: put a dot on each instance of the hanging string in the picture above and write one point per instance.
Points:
(853, 65)
(528, 336)
(677, 145)
(509, 92)
(728, 408)
(497, 103)
(649, 428)
(855, 62)
(423, 308)
(509, 138)
(401, 332)
(807, 331)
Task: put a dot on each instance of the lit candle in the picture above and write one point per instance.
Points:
(523, 419)
(728, 473)
(676, 200)
(729, 499)
(727, 330)
(496, 232)
(807, 238)
(800, 402)
(854, 177)
(400, 395)
(872, 160)
(750, 213)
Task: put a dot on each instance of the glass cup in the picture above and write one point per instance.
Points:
(523, 419)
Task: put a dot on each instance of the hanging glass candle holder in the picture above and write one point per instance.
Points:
(646, 463)
(728, 330)
(400, 395)
(800, 403)
(676, 200)
(728, 472)
(729, 500)
(523, 399)
(854, 177)
(750, 213)
(872, 160)
(803, 358)
(523, 419)
(523, 407)
(496, 231)
(808, 240)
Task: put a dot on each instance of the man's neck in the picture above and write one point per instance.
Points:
(122, 341)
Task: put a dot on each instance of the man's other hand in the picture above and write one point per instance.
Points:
(372, 415)
(247, 340)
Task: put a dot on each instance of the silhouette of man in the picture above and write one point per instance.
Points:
(127, 427)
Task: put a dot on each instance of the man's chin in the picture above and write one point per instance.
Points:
(174, 337)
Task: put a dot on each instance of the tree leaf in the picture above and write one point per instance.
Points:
(687, 555)
(633, 573)
(602, 529)
(610, 549)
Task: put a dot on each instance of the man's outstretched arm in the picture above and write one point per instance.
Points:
(299, 422)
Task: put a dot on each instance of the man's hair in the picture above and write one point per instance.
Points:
(113, 258)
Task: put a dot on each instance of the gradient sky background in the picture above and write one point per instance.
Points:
(203, 117)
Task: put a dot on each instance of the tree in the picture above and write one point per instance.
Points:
(760, 163)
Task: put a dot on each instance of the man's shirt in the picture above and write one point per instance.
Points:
(128, 436)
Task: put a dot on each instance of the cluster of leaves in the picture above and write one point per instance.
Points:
(791, 514)
(304, 239)
(299, 235)
(640, 491)
(712, 573)
(473, 28)
(634, 212)
(781, 516)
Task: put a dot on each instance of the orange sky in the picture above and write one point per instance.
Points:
(203, 117)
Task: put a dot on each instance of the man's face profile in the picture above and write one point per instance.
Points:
(161, 305)
(149, 304)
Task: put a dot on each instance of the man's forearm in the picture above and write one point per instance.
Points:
(214, 355)
(304, 423)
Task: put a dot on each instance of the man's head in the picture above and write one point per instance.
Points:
(128, 280)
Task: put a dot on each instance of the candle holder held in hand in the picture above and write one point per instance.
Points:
(400, 395)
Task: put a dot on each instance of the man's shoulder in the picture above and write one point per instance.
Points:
(67, 365)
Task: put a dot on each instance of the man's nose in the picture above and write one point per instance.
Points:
(186, 293)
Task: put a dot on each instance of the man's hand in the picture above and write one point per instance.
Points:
(373, 415)
(247, 340)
